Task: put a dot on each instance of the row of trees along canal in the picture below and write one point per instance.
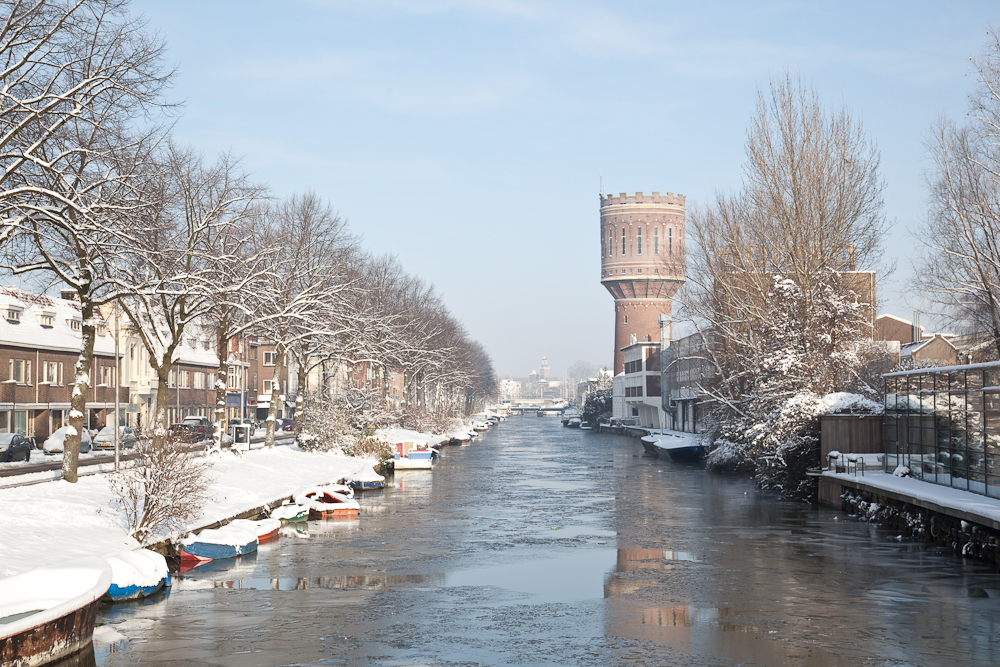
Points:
(96, 195)
(772, 285)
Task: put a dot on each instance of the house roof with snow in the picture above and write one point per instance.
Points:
(39, 321)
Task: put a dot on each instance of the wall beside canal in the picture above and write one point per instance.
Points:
(968, 534)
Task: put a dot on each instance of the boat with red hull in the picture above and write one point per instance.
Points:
(324, 503)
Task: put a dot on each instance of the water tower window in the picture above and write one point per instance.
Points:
(611, 243)
(656, 240)
(670, 241)
(626, 319)
(623, 240)
(639, 237)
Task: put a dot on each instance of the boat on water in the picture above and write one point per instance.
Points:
(574, 422)
(480, 426)
(266, 529)
(366, 479)
(678, 446)
(136, 574)
(216, 543)
(289, 512)
(586, 426)
(325, 503)
(414, 455)
(48, 613)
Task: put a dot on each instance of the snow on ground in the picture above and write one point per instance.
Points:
(55, 521)
(956, 499)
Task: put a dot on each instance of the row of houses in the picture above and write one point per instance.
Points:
(662, 386)
(40, 341)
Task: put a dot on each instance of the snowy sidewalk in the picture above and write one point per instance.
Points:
(56, 521)
(946, 500)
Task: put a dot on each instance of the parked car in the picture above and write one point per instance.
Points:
(184, 432)
(54, 443)
(288, 425)
(14, 447)
(105, 438)
(201, 426)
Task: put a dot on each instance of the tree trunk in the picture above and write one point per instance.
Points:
(272, 410)
(78, 401)
(221, 382)
(160, 425)
(300, 397)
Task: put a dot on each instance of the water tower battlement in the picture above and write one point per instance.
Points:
(642, 261)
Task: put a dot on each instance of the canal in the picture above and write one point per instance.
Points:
(542, 545)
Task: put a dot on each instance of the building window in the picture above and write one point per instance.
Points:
(269, 358)
(12, 314)
(199, 380)
(185, 379)
(656, 240)
(172, 381)
(670, 241)
(107, 375)
(611, 243)
(626, 319)
(270, 384)
(639, 240)
(20, 371)
(232, 377)
(75, 325)
(46, 320)
(623, 240)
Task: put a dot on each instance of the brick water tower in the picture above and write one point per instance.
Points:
(642, 262)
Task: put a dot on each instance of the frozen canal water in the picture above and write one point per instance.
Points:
(542, 545)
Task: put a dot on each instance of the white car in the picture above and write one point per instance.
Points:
(55, 443)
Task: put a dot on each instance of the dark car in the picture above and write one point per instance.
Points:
(184, 432)
(201, 426)
(14, 447)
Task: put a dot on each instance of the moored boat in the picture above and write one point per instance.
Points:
(677, 445)
(266, 529)
(48, 613)
(136, 574)
(215, 543)
(649, 444)
(324, 503)
(414, 455)
(366, 479)
(586, 426)
(290, 513)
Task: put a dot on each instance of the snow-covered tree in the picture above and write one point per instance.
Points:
(772, 283)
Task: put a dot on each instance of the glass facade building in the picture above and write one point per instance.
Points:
(944, 425)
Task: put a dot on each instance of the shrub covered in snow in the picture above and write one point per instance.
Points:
(162, 492)
(598, 405)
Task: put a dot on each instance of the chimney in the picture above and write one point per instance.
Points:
(915, 335)
(68, 294)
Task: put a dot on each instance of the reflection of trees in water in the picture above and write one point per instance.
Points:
(375, 582)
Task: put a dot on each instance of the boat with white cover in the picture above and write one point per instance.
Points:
(325, 503)
(136, 574)
(48, 613)
(678, 445)
(215, 543)
(366, 479)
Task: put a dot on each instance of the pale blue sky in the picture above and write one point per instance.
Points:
(468, 136)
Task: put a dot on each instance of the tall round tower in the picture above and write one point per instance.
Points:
(642, 262)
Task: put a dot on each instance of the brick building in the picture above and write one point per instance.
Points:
(40, 340)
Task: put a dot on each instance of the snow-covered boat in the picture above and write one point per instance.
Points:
(342, 489)
(574, 422)
(586, 426)
(290, 513)
(480, 426)
(678, 446)
(215, 543)
(649, 444)
(414, 455)
(136, 574)
(324, 503)
(366, 479)
(266, 529)
(48, 613)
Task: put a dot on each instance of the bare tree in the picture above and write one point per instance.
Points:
(81, 81)
(959, 270)
(772, 281)
(306, 281)
(173, 282)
